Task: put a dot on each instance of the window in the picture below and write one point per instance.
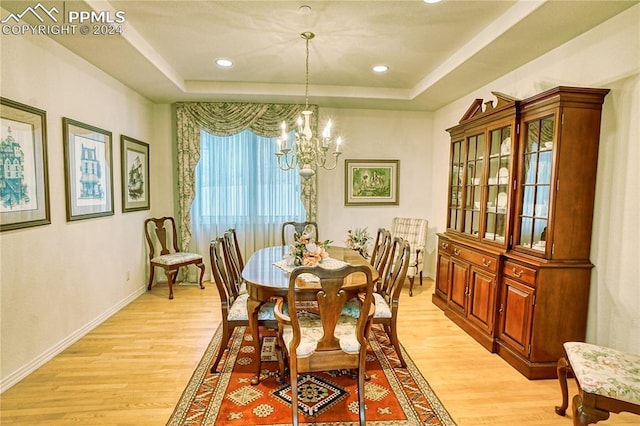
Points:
(238, 182)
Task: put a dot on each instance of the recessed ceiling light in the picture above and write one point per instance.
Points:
(432, 1)
(224, 63)
(380, 68)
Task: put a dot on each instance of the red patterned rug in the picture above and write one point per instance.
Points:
(394, 395)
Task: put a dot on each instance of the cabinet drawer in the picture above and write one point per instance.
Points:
(445, 246)
(490, 263)
(519, 272)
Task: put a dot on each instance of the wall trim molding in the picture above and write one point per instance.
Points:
(50, 353)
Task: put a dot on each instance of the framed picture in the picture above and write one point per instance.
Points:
(371, 182)
(24, 181)
(88, 172)
(135, 174)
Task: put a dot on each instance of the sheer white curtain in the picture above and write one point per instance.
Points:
(239, 185)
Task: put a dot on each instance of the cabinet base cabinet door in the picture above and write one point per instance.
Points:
(442, 276)
(481, 304)
(516, 315)
(459, 288)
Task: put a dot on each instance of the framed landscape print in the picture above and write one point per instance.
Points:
(24, 182)
(371, 182)
(135, 174)
(88, 171)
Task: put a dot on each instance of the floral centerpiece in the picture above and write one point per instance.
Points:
(306, 252)
(358, 240)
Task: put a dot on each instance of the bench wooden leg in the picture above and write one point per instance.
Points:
(584, 415)
(563, 369)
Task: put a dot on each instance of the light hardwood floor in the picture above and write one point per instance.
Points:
(132, 369)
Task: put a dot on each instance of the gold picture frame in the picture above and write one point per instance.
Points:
(372, 182)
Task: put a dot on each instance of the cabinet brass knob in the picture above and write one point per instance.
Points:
(445, 246)
(456, 252)
(518, 273)
(486, 262)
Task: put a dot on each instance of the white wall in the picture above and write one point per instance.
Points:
(370, 134)
(607, 56)
(60, 280)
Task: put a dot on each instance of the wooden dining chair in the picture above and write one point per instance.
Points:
(325, 339)
(387, 296)
(289, 229)
(381, 249)
(233, 259)
(233, 303)
(164, 252)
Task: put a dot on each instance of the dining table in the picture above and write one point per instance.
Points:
(266, 279)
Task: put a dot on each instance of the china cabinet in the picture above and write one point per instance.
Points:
(513, 265)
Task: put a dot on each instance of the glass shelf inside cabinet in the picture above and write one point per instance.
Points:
(498, 185)
(536, 186)
(473, 183)
(456, 187)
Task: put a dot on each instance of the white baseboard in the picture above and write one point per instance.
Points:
(33, 365)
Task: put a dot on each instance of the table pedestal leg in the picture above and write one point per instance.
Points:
(253, 306)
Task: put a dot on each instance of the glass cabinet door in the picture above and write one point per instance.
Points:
(498, 183)
(455, 188)
(473, 180)
(536, 183)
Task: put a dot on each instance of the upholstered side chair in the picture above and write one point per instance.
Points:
(414, 231)
(164, 252)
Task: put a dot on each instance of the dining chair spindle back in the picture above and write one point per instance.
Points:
(381, 250)
(289, 229)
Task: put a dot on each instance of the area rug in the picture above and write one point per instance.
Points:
(394, 395)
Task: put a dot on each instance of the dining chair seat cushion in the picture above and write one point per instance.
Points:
(352, 307)
(175, 258)
(312, 331)
(605, 371)
(238, 310)
(382, 307)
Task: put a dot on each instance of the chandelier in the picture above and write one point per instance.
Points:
(306, 150)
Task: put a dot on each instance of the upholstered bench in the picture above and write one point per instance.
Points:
(608, 381)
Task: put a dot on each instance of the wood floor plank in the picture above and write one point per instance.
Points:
(132, 369)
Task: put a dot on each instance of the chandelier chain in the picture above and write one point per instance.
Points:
(306, 91)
